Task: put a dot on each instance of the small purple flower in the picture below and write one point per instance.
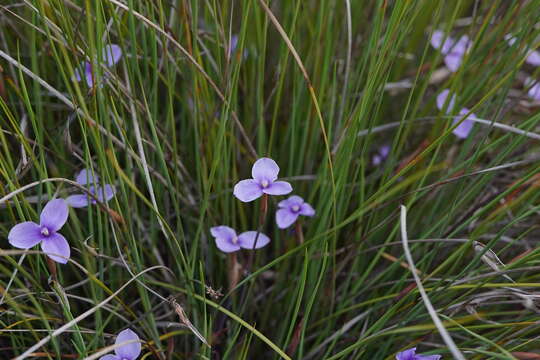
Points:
(28, 234)
(111, 55)
(103, 193)
(128, 351)
(265, 173)
(453, 50)
(533, 56)
(410, 354)
(290, 209)
(381, 155)
(534, 88)
(462, 130)
(227, 240)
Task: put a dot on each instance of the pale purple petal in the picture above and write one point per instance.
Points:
(533, 58)
(109, 357)
(247, 190)
(104, 193)
(265, 169)
(278, 188)
(406, 355)
(290, 201)
(534, 91)
(226, 245)
(441, 100)
(437, 39)
(462, 130)
(247, 240)
(128, 351)
(111, 54)
(54, 215)
(306, 210)
(384, 150)
(88, 74)
(85, 176)
(285, 218)
(25, 235)
(54, 245)
(427, 357)
(77, 73)
(453, 61)
(376, 160)
(510, 39)
(78, 201)
(223, 232)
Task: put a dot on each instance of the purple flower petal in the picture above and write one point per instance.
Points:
(54, 245)
(88, 74)
(406, 355)
(78, 201)
(441, 100)
(376, 160)
(384, 151)
(226, 245)
(247, 190)
(533, 58)
(278, 188)
(285, 218)
(104, 193)
(85, 177)
(534, 91)
(128, 351)
(247, 240)
(436, 39)
(265, 169)
(109, 357)
(25, 235)
(453, 61)
(291, 201)
(223, 232)
(54, 215)
(462, 130)
(306, 210)
(111, 54)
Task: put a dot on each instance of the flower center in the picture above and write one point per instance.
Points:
(45, 231)
(234, 239)
(295, 208)
(264, 184)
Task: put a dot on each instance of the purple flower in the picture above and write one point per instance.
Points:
(463, 129)
(290, 209)
(265, 172)
(534, 88)
(103, 193)
(411, 355)
(128, 351)
(381, 155)
(227, 240)
(111, 55)
(452, 50)
(27, 234)
(533, 56)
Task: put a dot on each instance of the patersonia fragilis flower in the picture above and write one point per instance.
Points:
(410, 354)
(129, 351)
(227, 240)
(28, 234)
(463, 129)
(290, 209)
(381, 155)
(265, 173)
(453, 50)
(111, 55)
(103, 193)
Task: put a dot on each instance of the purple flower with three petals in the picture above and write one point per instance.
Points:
(265, 173)
(453, 50)
(533, 56)
(411, 355)
(111, 55)
(129, 351)
(102, 193)
(290, 209)
(462, 130)
(28, 234)
(227, 240)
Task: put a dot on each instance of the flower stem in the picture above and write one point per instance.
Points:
(262, 220)
(299, 232)
(234, 270)
(51, 264)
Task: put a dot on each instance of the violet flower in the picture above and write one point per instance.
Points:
(381, 155)
(534, 88)
(290, 209)
(227, 240)
(265, 173)
(411, 355)
(28, 234)
(128, 351)
(452, 50)
(103, 193)
(111, 55)
(462, 130)
(533, 56)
